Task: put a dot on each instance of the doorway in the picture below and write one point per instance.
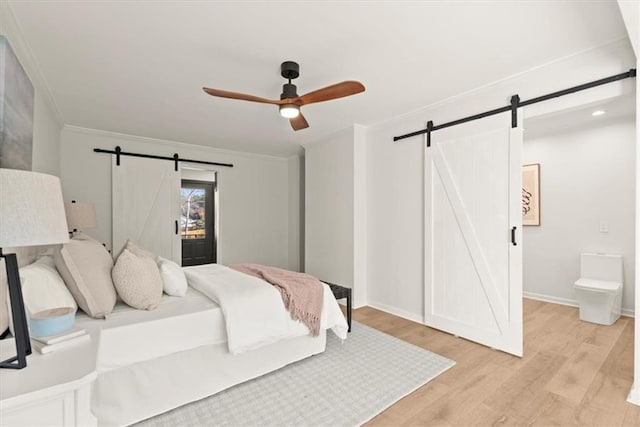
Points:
(197, 222)
(586, 158)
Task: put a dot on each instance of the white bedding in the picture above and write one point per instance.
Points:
(133, 393)
(253, 310)
(129, 336)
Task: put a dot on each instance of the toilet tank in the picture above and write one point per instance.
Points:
(601, 267)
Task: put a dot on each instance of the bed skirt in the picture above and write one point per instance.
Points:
(133, 393)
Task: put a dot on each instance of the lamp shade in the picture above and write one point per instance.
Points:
(80, 215)
(31, 209)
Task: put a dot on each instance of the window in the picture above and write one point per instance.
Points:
(192, 221)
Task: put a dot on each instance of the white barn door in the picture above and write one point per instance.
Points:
(146, 205)
(473, 269)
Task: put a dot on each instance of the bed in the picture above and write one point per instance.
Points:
(149, 362)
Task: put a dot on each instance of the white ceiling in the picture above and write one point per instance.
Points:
(620, 108)
(138, 67)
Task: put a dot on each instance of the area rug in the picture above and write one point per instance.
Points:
(347, 385)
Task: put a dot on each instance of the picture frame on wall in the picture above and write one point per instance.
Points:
(16, 111)
(531, 194)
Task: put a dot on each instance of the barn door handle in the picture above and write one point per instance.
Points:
(513, 236)
(176, 226)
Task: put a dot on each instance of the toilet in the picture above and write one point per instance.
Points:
(599, 289)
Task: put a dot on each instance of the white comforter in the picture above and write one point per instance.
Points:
(253, 310)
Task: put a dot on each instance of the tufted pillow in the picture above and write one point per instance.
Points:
(85, 265)
(174, 281)
(137, 280)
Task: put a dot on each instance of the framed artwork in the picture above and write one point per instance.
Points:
(16, 111)
(531, 194)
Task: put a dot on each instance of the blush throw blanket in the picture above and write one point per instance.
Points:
(301, 293)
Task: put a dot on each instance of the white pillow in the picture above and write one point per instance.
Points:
(42, 288)
(137, 280)
(174, 281)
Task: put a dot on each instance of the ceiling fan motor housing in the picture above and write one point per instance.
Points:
(289, 90)
(289, 70)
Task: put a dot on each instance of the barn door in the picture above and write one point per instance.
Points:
(473, 222)
(146, 205)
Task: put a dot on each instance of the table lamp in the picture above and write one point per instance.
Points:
(80, 215)
(31, 214)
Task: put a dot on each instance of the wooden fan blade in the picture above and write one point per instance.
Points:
(338, 90)
(299, 122)
(241, 96)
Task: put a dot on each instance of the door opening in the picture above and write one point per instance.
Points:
(586, 196)
(197, 222)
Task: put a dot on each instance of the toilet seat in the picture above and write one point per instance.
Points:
(597, 285)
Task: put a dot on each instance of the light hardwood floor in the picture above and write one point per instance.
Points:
(572, 373)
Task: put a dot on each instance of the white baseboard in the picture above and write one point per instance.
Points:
(634, 395)
(396, 312)
(565, 301)
(548, 298)
(531, 295)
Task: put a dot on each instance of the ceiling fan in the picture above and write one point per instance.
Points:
(289, 102)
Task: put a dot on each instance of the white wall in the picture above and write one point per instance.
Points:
(630, 11)
(395, 229)
(46, 138)
(587, 175)
(360, 238)
(335, 210)
(634, 393)
(296, 213)
(395, 170)
(253, 195)
(329, 208)
(197, 174)
(631, 14)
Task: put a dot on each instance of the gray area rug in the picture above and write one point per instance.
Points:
(347, 385)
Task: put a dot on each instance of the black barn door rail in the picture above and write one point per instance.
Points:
(118, 152)
(515, 104)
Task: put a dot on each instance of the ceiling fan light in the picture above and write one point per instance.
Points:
(289, 111)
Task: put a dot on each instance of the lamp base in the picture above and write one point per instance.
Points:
(18, 315)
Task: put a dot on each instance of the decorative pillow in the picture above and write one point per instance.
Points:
(137, 280)
(174, 281)
(85, 265)
(45, 259)
(42, 288)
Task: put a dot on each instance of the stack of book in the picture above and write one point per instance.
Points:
(60, 341)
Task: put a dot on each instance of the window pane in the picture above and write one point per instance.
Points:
(193, 213)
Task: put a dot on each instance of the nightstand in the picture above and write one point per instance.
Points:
(340, 292)
(54, 388)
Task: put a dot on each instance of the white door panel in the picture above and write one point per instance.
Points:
(146, 205)
(473, 279)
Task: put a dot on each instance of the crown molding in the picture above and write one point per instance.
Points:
(10, 28)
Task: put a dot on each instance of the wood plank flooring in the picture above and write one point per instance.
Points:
(572, 373)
